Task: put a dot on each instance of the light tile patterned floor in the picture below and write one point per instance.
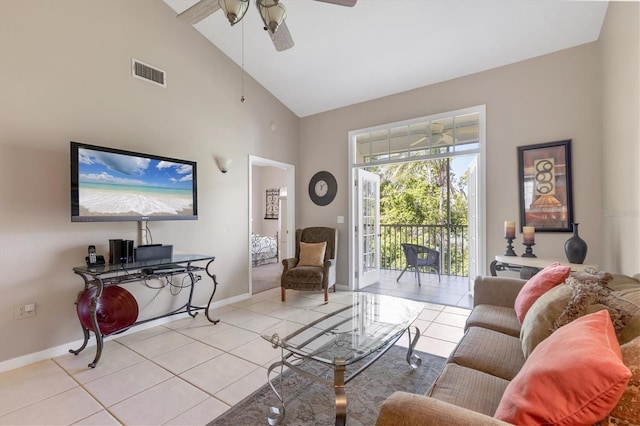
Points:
(185, 372)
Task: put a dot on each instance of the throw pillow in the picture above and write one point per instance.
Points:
(590, 294)
(312, 254)
(537, 285)
(627, 411)
(575, 376)
(539, 320)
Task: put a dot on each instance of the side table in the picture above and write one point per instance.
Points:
(529, 266)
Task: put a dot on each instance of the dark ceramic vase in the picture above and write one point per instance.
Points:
(575, 247)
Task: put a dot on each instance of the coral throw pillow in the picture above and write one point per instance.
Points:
(537, 285)
(312, 254)
(574, 377)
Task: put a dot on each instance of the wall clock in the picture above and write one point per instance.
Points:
(323, 188)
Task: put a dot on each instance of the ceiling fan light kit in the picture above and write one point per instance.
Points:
(234, 10)
(273, 13)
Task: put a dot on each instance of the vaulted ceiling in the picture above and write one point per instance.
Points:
(346, 55)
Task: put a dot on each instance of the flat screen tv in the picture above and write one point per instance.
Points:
(110, 184)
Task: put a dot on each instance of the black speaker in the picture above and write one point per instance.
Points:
(120, 251)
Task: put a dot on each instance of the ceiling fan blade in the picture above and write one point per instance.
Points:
(448, 139)
(282, 39)
(199, 11)
(348, 3)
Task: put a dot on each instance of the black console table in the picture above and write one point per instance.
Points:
(99, 277)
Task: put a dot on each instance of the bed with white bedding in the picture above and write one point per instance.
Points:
(264, 249)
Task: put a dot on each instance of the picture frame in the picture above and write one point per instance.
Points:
(545, 186)
(272, 204)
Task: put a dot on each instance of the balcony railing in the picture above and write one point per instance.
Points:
(450, 240)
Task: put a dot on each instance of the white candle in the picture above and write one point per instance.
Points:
(529, 233)
(509, 229)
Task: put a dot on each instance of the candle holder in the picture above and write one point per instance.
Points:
(509, 251)
(528, 251)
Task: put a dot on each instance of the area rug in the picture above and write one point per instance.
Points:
(311, 403)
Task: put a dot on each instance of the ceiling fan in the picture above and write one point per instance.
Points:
(436, 135)
(272, 12)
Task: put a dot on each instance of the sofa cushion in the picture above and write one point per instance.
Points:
(537, 285)
(409, 409)
(468, 388)
(498, 318)
(627, 410)
(312, 254)
(489, 351)
(539, 320)
(575, 376)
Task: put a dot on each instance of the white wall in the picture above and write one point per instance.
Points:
(544, 99)
(65, 75)
(620, 44)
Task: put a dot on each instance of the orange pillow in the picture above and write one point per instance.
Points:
(573, 377)
(537, 285)
(312, 254)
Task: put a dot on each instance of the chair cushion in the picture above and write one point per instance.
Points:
(489, 351)
(575, 376)
(468, 388)
(312, 254)
(537, 285)
(304, 274)
(498, 318)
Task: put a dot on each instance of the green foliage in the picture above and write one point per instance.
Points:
(429, 195)
(417, 193)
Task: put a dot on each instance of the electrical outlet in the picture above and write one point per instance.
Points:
(24, 311)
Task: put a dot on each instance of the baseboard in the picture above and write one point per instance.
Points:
(63, 349)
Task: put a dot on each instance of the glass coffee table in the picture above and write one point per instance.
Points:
(366, 327)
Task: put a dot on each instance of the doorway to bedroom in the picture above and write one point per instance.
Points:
(271, 220)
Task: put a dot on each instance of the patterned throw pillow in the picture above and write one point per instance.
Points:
(627, 412)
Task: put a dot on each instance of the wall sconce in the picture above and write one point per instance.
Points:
(223, 163)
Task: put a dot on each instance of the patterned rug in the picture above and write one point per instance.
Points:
(311, 403)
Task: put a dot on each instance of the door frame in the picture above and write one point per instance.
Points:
(291, 205)
(359, 174)
(481, 189)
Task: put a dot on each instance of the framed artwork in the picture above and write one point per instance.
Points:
(544, 172)
(272, 207)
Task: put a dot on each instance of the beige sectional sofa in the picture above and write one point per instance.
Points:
(494, 349)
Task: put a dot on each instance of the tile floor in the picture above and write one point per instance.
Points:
(186, 372)
(448, 290)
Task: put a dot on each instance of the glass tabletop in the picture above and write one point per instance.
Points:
(128, 266)
(350, 331)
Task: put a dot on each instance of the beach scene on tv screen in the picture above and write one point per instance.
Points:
(113, 184)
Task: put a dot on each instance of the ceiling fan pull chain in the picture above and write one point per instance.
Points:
(242, 98)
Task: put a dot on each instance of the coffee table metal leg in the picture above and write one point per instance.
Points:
(414, 360)
(341, 397)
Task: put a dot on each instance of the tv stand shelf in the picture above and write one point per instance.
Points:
(101, 277)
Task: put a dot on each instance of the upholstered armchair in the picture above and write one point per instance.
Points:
(314, 267)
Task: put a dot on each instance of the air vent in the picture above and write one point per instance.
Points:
(148, 73)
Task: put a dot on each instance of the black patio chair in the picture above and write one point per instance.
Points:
(416, 259)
